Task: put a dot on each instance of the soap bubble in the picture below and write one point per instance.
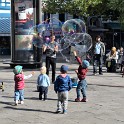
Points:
(82, 23)
(70, 27)
(37, 41)
(74, 35)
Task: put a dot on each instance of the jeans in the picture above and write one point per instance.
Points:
(62, 100)
(43, 91)
(97, 59)
(81, 87)
(52, 62)
(19, 95)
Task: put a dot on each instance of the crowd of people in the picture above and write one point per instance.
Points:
(63, 82)
(114, 58)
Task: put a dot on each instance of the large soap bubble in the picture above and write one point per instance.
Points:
(55, 23)
(64, 43)
(44, 30)
(82, 23)
(74, 35)
(70, 27)
(37, 40)
(82, 46)
(85, 42)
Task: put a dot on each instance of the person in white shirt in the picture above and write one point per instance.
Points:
(99, 51)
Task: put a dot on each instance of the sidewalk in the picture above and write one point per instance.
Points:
(105, 105)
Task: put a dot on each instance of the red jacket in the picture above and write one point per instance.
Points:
(81, 71)
(19, 82)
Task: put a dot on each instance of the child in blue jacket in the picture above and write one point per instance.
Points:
(43, 82)
(62, 85)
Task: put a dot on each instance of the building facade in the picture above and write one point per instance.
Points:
(5, 18)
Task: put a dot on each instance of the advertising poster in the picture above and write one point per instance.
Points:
(23, 42)
(24, 21)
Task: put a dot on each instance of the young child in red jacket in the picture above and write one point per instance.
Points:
(19, 79)
(81, 73)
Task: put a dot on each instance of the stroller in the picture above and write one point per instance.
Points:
(111, 65)
(74, 82)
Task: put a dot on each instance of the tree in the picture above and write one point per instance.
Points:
(118, 5)
(78, 7)
(113, 8)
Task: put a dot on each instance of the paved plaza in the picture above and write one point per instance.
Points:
(105, 94)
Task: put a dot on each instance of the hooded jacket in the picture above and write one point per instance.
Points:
(81, 70)
(63, 83)
(19, 81)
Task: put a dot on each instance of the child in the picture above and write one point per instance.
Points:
(81, 73)
(19, 78)
(43, 82)
(62, 85)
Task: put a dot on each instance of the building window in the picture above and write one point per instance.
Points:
(2, 4)
(5, 3)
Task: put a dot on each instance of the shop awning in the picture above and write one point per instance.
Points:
(4, 34)
(112, 25)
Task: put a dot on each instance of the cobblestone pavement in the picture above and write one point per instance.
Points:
(105, 105)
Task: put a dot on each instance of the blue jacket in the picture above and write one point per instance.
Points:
(62, 83)
(43, 80)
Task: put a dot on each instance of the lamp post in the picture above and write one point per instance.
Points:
(114, 34)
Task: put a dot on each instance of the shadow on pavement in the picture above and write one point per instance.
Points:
(107, 85)
(7, 103)
(29, 98)
(25, 109)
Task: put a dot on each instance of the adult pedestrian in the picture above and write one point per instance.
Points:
(51, 49)
(111, 61)
(121, 57)
(99, 52)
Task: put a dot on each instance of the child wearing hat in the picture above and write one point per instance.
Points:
(62, 85)
(19, 79)
(43, 82)
(81, 73)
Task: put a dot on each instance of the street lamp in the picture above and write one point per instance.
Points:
(114, 34)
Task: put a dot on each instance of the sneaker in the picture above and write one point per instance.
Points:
(64, 111)
(100, 73)
(22, 102)
(44, 99)
(16, 102)
(77, 100)
(58, 110)
(94, 73)
(84, 100)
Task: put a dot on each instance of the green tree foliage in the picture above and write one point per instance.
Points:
(118, 5)
(104, 9)
(87, 7)
(78, 7)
